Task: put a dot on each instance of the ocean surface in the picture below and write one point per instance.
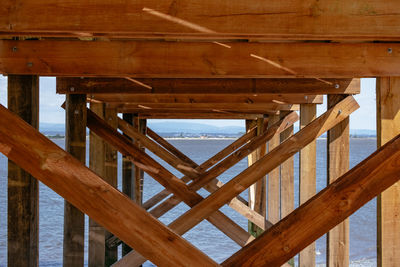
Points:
(204, 236)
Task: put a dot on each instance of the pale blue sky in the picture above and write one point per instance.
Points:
(51, 111)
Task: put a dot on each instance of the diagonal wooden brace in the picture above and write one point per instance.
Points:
(84, 189)
(324, 211)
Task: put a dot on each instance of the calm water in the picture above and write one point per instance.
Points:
(204, 235)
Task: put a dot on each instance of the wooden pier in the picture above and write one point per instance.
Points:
(268, 63)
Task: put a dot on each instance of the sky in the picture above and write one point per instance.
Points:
(50, 110)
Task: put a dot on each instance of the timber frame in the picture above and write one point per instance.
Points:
(265, 62)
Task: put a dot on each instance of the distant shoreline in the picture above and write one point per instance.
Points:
(215, 138)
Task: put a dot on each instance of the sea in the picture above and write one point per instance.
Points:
(204, 236)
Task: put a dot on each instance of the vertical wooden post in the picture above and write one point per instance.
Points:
(388, 217)
(338, 164)
(257, 192)
(111, 176)
(141, 125)
(97, 164)
(274, 180)
(75, 144)
(103, 160)
(127, 178)
(23, 193)
(287, 176)
(307, 184)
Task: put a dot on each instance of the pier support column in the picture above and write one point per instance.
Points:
(274, 180)
(23, 193)
(102, 160)
(141, 125)
(388, 217)
(75, 144)
(127, 177)
(307, 179)
(338, 164)
(257, 192)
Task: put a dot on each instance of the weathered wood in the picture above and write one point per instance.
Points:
(338, 239)
(160, 59)
(269, 162)
(249, 98)
(257, 192)
(190, 86)
(325, 210)
(95, 197)
(274, 181)
(143, 111)
(388, 216)
(111, 176)
(140, 125)
(75, 144)
(97, 158)
(308, 175)
(190, 19)
(23, 191)
(127, 177)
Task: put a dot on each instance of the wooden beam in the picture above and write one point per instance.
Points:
(127, 178)
(184, 99)
(214, 86)
(206, 20)
(308, 175)
(274, 203)
(338, 243)
(97, 158)
(92, 195)
(203, 115)
(388, 215)
(140, 125)
(159, 59)
(257, 191)
(23, 189)
(75, 144)
(270, 161)
(325, 210)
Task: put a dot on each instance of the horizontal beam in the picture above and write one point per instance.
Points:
(155, 59)
(252, 19)
(204, 115)
(80, 186)
(327, 209)
(208, 86)
(181, 99)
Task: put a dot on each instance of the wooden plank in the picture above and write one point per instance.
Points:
(97, 158)
(75, 144)
(95, 197)
(160, 59)
(307, 178)
(23, 191)
(140, 125)
(269, 162)
(388, 126)
(325, 210)
(257, 192)
(111, 177)
(214, 86)
(203, 115)
(127, 178)
(249, 98)
(273, 202)
(190, 19)
(338, 239)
